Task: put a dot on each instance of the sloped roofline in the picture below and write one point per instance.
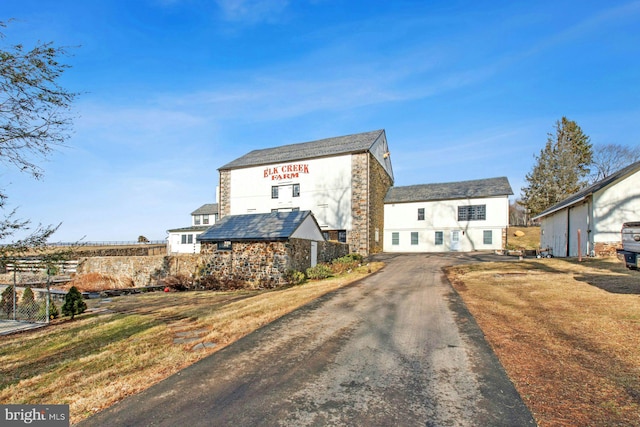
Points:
(347, 144)
(477, 188)
(582, 195)
(254, 234)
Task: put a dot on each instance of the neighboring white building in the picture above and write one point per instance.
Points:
(456, 216)
(342, 180)
(183, 240)
(598, 212)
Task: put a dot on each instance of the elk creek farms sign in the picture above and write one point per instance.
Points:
(278, 173)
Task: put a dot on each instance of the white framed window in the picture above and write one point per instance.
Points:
(420, 214)
(487, 237)
(395, 238)
(296, 190)
(439, 238)
(205, 219)
(274, 192)
(472, 213)
(196, 219)
(414, 237)
(186, 239)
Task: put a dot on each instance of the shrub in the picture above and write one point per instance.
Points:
(28, 307)
(7, 302)
(214, 283)
(53, 310)
(73, 303)
(294, 277)
(96, 282)
(178, 282)
(346, 263)
(320, 271)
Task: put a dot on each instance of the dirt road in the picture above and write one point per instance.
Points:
(396, 349)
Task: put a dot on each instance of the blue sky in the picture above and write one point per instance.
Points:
(174, 89)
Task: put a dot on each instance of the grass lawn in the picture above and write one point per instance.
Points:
(133, 342)
(567, 333)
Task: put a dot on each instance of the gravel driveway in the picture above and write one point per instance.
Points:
(395, 349)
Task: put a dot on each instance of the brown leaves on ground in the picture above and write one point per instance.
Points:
(567, 333)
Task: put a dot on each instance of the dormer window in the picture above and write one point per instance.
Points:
(196, 219)
(205, 219)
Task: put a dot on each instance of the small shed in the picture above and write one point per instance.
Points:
(260, 249)
(589, 222)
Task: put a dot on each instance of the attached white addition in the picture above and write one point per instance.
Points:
(459, 216)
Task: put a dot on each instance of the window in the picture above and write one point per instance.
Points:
(274, 192)
(295, 209)
(395, 238)
(224, 246)
(205, 219)
(420, 214)
(487, 237)
(274, 210)
(439, 238)
(325, 234)
(186, 239)
(472, 213)
(342, 236)
(196, 219)
(414, 237)
(296, 190)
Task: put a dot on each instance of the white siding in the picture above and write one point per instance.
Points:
(325, 189)
(175, 245)
(615, 205)
(442, 216)
(308, 230)
(553, 233)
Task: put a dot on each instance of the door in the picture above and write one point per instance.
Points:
(314, 254)
(455, 240)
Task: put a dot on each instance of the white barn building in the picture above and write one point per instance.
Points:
(596, 214)
(342, 180)
(455, 216)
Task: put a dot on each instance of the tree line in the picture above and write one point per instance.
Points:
(567, 164)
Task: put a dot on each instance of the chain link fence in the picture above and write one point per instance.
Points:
(28, 304)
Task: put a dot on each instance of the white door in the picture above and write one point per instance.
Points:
(314, 254)
(455, 240)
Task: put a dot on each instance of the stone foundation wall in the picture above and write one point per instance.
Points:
(143, 270)
(265, 264)
(607, 249)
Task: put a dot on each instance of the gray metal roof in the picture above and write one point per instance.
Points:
(191, 229)
(489, 187)
(355, 143)
(581, 195)
(207, 209)
(252, 227)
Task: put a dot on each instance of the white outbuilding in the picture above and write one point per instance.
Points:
(589, 222)
(454, 216)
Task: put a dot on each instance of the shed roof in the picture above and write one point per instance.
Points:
(581, 195)
(206, 209)
(253, 227)
(490, 187)
(348, 144)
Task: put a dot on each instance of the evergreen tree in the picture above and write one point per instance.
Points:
(7, 302)
(28, 308)
(73, 303)
(561, 168)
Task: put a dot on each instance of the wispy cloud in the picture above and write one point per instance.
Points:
(252, 11)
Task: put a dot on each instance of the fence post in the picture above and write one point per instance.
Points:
(14, 293)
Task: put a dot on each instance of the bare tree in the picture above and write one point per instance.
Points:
(35, 117)
(610, 158)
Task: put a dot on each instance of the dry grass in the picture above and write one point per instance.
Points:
(128, 344)
(567, 333)
(530, 240)
(96, 282)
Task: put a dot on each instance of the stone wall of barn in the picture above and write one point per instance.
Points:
(265, 264)
(370, 184)
(224, 202)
